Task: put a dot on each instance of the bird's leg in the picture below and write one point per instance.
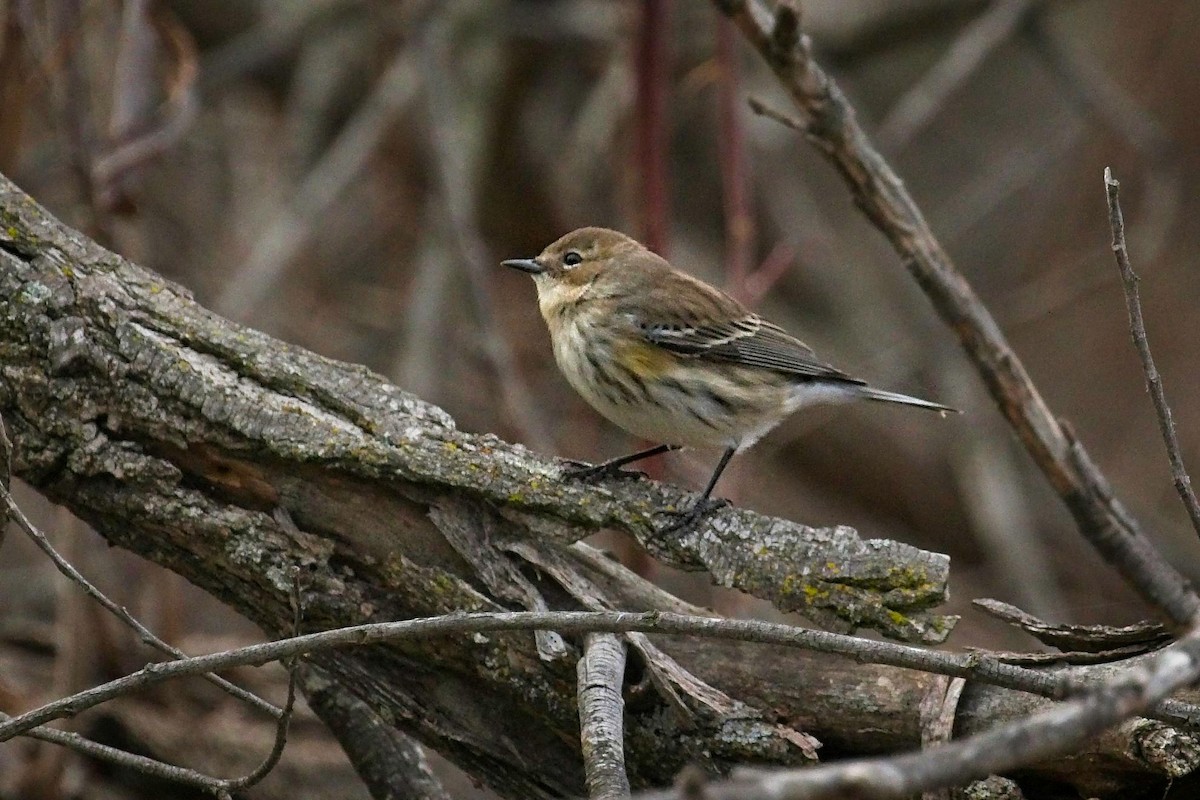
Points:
(703, 506)
(612, 467)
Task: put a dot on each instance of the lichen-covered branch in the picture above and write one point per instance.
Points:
(114, 375)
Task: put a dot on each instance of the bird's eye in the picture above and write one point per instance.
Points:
(572, 258)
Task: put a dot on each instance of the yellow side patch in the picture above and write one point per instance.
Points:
(643, 360)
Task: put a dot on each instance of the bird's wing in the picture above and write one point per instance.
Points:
(713, 325)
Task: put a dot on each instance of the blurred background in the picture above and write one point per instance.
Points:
(347, 175)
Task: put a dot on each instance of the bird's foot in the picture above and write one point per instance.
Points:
(686, 520)
(582, 471)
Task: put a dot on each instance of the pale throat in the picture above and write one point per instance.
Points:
(556, 296)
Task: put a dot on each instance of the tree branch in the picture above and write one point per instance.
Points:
(161, 395)
(390, 764)
(601, 673)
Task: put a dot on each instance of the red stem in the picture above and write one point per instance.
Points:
(652, 132)
(731, 153)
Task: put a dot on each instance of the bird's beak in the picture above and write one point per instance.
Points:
(525, 265)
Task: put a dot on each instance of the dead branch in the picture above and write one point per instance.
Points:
(1137, 329)
(601, 673)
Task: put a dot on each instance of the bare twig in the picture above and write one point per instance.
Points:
(281, 724)
(144, 633)
(158, 769)
(829, 123)
(122, 758)
(1054, 732)
(978, 40)
(221, 788)
(965, 665)
(601, 674)
(1137, 329)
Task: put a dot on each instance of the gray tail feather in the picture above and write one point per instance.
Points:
(895, 397)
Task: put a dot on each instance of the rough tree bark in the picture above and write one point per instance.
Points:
(178, 434)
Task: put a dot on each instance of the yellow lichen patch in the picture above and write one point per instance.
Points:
(813, 593)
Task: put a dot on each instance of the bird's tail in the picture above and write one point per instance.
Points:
(883, 396)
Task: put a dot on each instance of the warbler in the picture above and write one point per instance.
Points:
(671, 359)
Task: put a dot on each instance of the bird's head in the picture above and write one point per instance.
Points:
(581, 263)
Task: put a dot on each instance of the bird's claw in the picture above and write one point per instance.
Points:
(582, 471)
(685, 520)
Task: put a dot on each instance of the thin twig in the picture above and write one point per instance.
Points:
(964, 665)
(281, 725)
(601, 674)
(161, 769)
(221, 788)
(144, 633)
(226, 788)
(830, 124)
(122, 758)
(1045, 735)
(1137, 329)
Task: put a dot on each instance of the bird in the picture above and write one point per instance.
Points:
(672, 359)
